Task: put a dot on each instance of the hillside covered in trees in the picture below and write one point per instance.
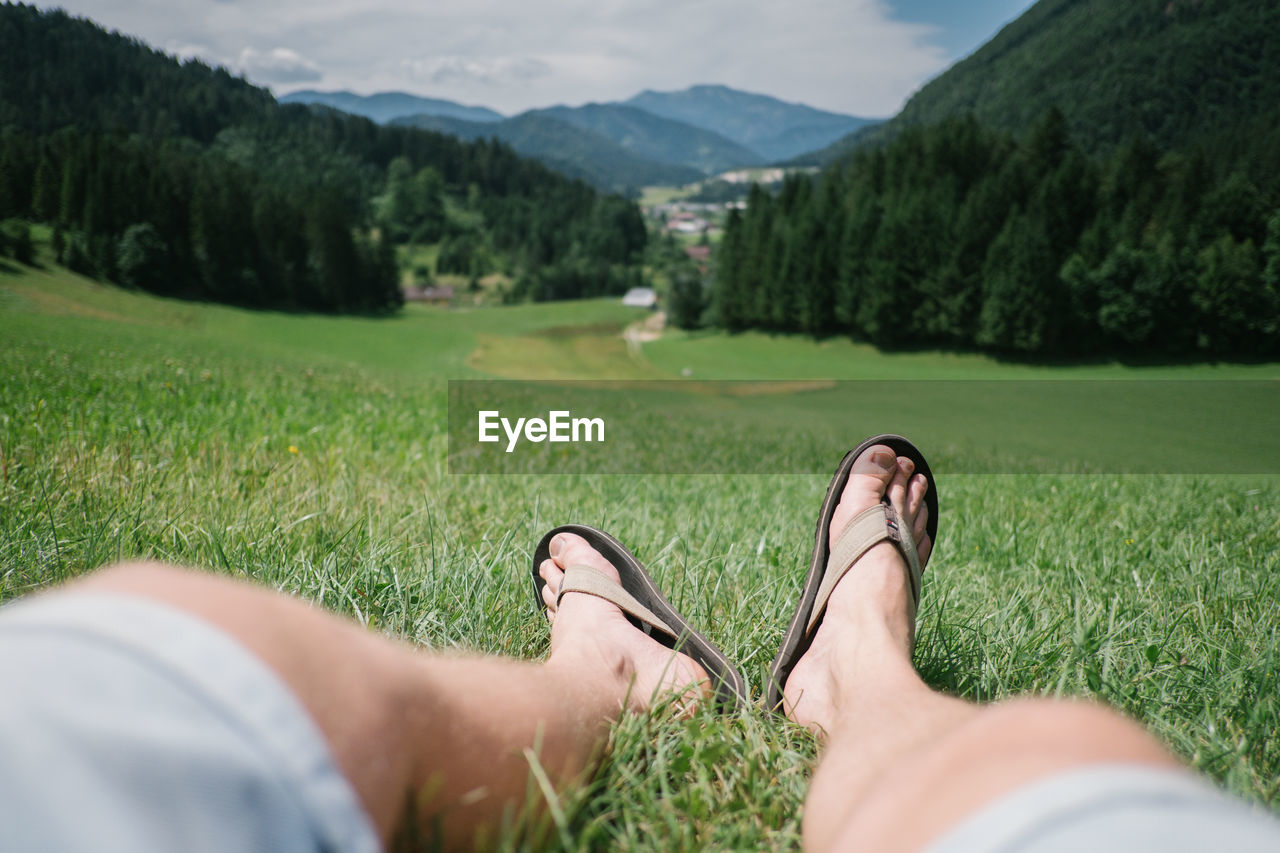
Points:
(1062, 239)
(1180, 72)
(181, 179)
(573, 151)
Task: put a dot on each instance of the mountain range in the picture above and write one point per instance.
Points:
(385, 106)
(571, 150)
(652, 138)
(774, 129)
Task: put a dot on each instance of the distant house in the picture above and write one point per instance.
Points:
(641, 297)
(688, 225)
(700, 255)
(441, 295)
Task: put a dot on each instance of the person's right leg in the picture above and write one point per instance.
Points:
(903, 763)
(445, 742)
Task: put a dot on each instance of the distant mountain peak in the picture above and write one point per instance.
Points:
(774, 129)
(657, 138)
(575, 151)
(382, 107)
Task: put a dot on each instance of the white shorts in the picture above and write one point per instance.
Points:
(1120, 807)
(128, 725)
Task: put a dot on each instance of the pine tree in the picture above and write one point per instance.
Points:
(1232, 309)
(44, 194)
(1271, 253)
(686, 302)
(1022, 294)
(142, 259)
(727, 306)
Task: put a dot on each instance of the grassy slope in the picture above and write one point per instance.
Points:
(757, 355)
(135, 426)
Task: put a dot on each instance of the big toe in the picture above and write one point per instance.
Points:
(869, 479)
(570, 549)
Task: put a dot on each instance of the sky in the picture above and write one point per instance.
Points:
(862, 57)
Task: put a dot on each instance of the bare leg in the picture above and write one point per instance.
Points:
(452, 735)
(903, 763)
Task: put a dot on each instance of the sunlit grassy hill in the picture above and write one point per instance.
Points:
(309, 454)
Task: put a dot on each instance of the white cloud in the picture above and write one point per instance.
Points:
(277, 65)
(847, 55)
(186, 50)
(446, 70)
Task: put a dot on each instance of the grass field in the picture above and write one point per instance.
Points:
(308, 453)
(654, 196)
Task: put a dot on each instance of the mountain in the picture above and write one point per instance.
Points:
(692, 133)
(132, 88)
(573, 151)
(184, 180)
(385, 106)
(1180, 71)
(652, 137)
(774, 129)
(1101, 179)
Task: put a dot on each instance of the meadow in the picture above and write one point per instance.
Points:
(309, 454)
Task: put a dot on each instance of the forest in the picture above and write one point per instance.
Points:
(180, 179)
(961, 236)
(1098, 179)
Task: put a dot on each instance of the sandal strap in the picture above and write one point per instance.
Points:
(868, 528)
(588, 580)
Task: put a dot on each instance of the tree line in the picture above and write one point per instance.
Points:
(957, 235)
(180, 179)
(168, 217)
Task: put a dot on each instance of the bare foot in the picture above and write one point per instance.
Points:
(592, 636)
(870, 612)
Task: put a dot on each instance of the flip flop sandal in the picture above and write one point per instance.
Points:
(644, 605)
(829, 563)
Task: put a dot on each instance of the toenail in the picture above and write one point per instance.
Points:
(556, 545)
(907, 465)
(884, 459)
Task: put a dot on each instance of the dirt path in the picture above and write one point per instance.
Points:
(642, 332)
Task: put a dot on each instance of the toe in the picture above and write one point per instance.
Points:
(916, 492)
(551, 573)
(921, 523)
(873, 469)
(870, 476)
(570, 549)
(898, 487)
(925, 548)
(553, 576)
(559, 543)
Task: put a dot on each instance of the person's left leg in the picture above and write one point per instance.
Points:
(453, 735)
(901, 763)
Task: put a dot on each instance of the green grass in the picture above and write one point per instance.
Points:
(654, 196)
(133, 426)
(413, 255)
(757, 355)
